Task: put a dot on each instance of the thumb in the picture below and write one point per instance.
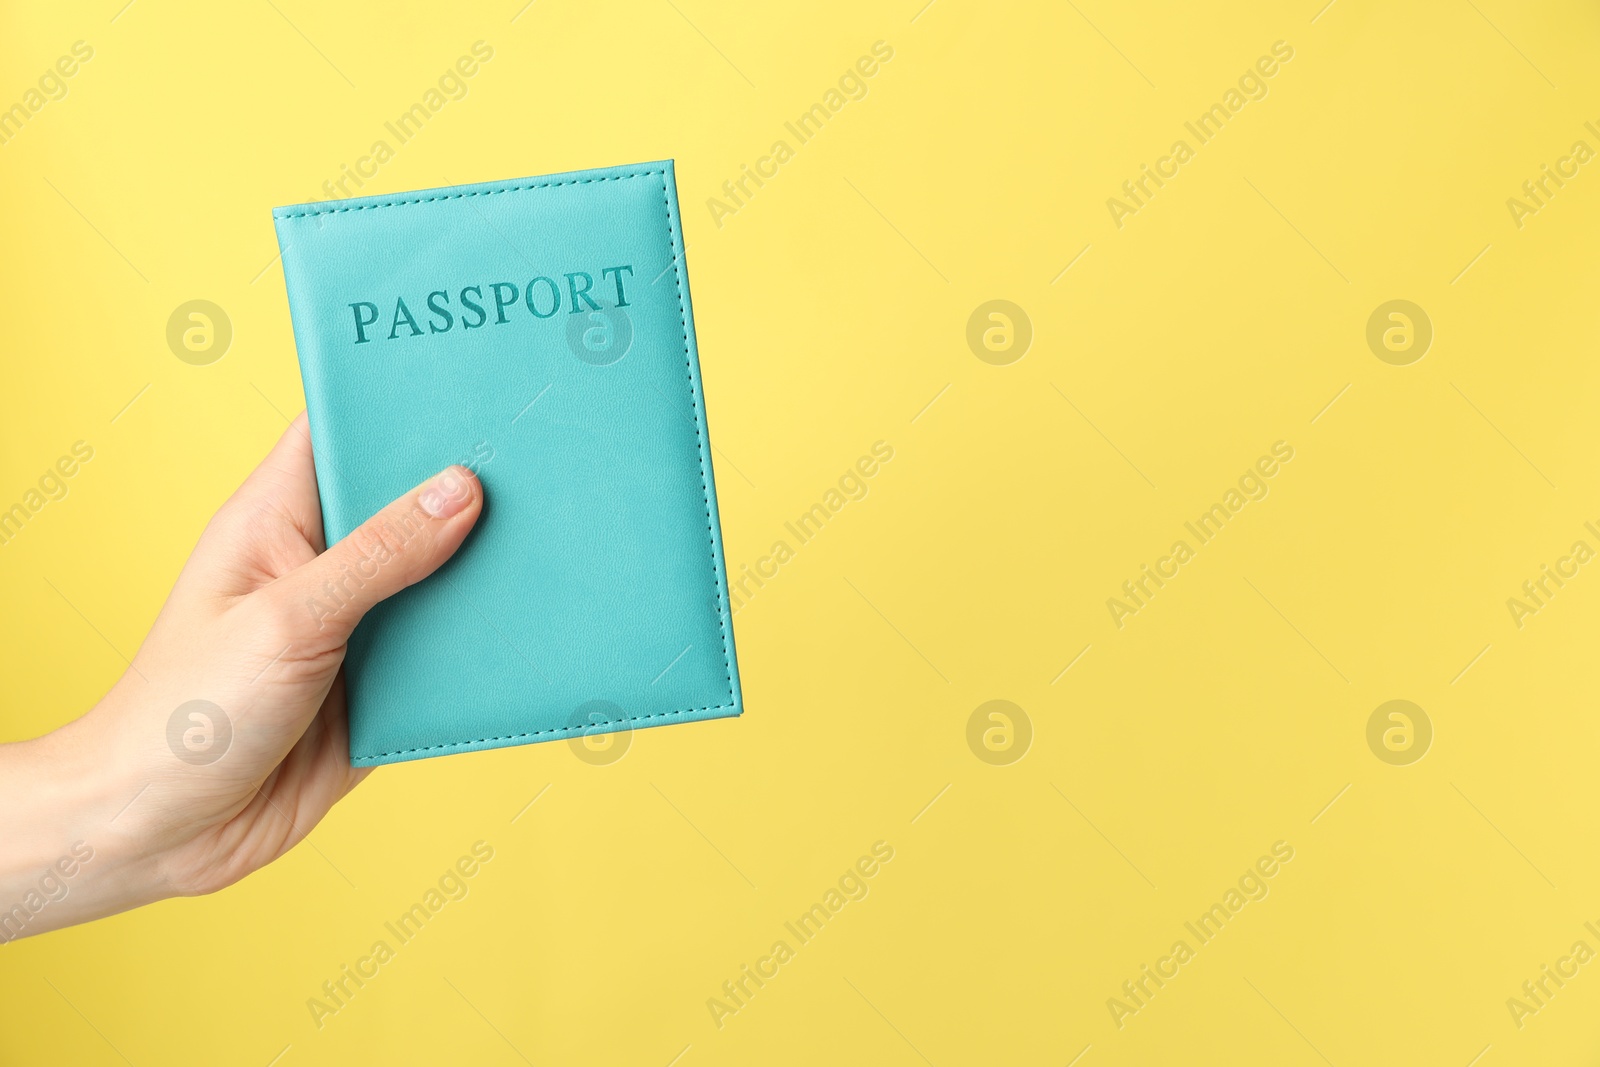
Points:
(398, 547)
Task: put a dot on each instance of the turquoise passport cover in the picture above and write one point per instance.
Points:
(540, 332)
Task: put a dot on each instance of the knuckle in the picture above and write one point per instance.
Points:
(278, 624)
(295, 635)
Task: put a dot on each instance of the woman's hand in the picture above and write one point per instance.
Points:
(225, 742)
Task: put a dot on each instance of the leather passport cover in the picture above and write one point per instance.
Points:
(540, 332)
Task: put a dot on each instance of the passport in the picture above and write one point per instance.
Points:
(540, 332)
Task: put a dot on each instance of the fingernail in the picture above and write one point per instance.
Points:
(447, 494)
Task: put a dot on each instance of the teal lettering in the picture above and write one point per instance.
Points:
(437, 309)
(555, 298)
(473, 305)
(361, 323)
(403, 314)
(622, 301)
(501, 303)
(572, 286)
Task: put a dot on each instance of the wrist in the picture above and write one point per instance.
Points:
(66, 857)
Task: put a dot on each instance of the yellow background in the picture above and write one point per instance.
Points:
(832, 308)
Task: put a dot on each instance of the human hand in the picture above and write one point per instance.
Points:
(167, 804)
